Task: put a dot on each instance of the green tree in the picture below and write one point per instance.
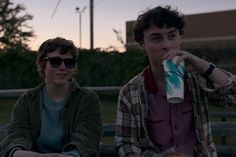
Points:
(14, 31)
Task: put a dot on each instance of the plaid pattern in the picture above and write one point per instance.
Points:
(132, 137)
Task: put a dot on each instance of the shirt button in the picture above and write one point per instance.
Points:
(175, 127)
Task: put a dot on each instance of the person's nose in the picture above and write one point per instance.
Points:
(166, 44)
(62, 66)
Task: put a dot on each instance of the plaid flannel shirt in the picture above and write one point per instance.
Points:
(132, 137)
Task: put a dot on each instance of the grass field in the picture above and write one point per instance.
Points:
(109, 104)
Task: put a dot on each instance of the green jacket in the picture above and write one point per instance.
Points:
(81, 121)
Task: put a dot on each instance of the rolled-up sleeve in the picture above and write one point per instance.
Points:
(222, 87)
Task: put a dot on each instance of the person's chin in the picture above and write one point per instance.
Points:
(61, 82)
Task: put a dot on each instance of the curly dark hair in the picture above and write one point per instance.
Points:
(161, 17)
(51, 45)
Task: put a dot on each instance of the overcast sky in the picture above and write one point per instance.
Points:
(108, 14)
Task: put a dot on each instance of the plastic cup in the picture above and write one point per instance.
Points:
(174, 80)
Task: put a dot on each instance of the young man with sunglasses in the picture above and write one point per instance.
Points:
(149, 126)
(58, 118)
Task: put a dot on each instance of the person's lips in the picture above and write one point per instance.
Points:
(61, 74)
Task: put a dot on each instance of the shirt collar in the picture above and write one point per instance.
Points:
(150, 81)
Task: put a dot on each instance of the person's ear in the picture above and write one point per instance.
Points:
(180, 39)
(141, 45)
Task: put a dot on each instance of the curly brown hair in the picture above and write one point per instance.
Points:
(159, 16)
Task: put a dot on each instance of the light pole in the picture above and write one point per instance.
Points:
(80, 23)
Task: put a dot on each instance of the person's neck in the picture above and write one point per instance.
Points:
(57, 93)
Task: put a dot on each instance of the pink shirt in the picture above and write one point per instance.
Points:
(170, 125)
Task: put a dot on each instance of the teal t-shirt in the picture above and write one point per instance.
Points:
(51, 135)
(52, 132)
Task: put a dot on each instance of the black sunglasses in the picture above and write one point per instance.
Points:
(55, 62)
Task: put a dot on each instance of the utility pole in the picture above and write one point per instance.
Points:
(91, 25)
(91, 20)
(80, 23)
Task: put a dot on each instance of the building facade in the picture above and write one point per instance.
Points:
(213, 30)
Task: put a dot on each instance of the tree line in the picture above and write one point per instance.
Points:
(14, 29)
(95, 68)
(18, 69)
